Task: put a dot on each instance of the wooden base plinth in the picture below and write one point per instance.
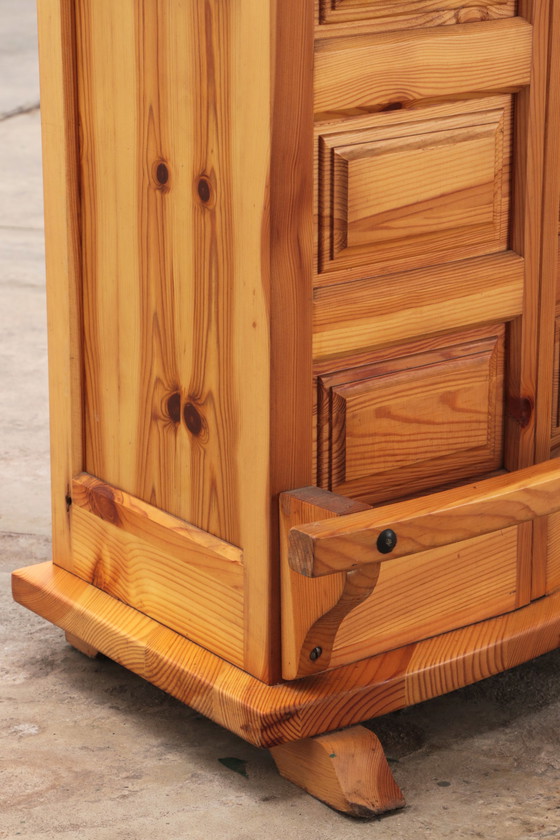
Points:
(271, 715)
(83, 647)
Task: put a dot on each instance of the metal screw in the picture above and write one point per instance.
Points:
(315, 653)
(386, 541)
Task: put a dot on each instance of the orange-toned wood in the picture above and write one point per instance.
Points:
(547, 408)
(151, 524)
(367, 71)
(83, 647)
(170, 237)
(59, 119)
(408, 14)
(212, 253)
(269, 715)
(324, 548)
(552, 580)
(291, 271)
(336, 619)
(362, 315)
(399, 425)
(421, 191)
(312, 610)
(193, 590)
(175, 279)
(347, 770)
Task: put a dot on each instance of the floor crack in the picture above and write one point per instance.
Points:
(21, 109)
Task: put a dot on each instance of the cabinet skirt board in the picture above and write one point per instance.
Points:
(268, 715)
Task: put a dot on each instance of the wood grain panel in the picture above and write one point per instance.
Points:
(372, 72)
(419, 194)
(267, 715)
(412, 13)
(548, 392)
(555, 402)
(59, 127)
(438, 591)
(157, 203)
(202, 601)
(291, 278)
(552, 581)
(186, 252)
(149, 523)
(410, 422)
(398, 196)
(336, 619)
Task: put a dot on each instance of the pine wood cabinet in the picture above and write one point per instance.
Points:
(302, 263)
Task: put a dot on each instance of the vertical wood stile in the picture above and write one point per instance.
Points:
(62, 235)
(549, 273)
(526, 241)
(291, 260)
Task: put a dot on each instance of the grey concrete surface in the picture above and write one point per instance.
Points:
(89, 750)
(19, 77)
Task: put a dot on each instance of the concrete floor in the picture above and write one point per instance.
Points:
(88, 749)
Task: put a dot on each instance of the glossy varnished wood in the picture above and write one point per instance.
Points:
(180, 575)
(288, 241)
(407, 14)
(347, 770)
(312, 610)
(59, 120)
(268, 715)
(365, 72)
(174, 277)
(336, 619)
(427, 522)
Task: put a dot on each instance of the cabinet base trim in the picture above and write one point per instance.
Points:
(268, 715)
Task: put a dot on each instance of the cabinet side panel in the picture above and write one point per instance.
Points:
(175, 152)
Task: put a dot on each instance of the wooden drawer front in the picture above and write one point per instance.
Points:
(359, 580)
(435, 592)
(409, 13)
(423, 192)
(414, 421)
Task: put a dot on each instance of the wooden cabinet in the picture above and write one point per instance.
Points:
(303, 311)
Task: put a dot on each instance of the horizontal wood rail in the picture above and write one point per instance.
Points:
(150, 523)
(350, 542)
(370, 70)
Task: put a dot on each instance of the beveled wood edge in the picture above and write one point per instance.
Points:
(267, 715)
(122, 509)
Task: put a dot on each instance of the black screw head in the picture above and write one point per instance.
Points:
(386, 541)
(315, 653)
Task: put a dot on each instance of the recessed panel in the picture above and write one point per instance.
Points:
(421, 12)
(424, 193)
(396, 427)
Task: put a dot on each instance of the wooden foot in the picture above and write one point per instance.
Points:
(347, 770)
(83, 647)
